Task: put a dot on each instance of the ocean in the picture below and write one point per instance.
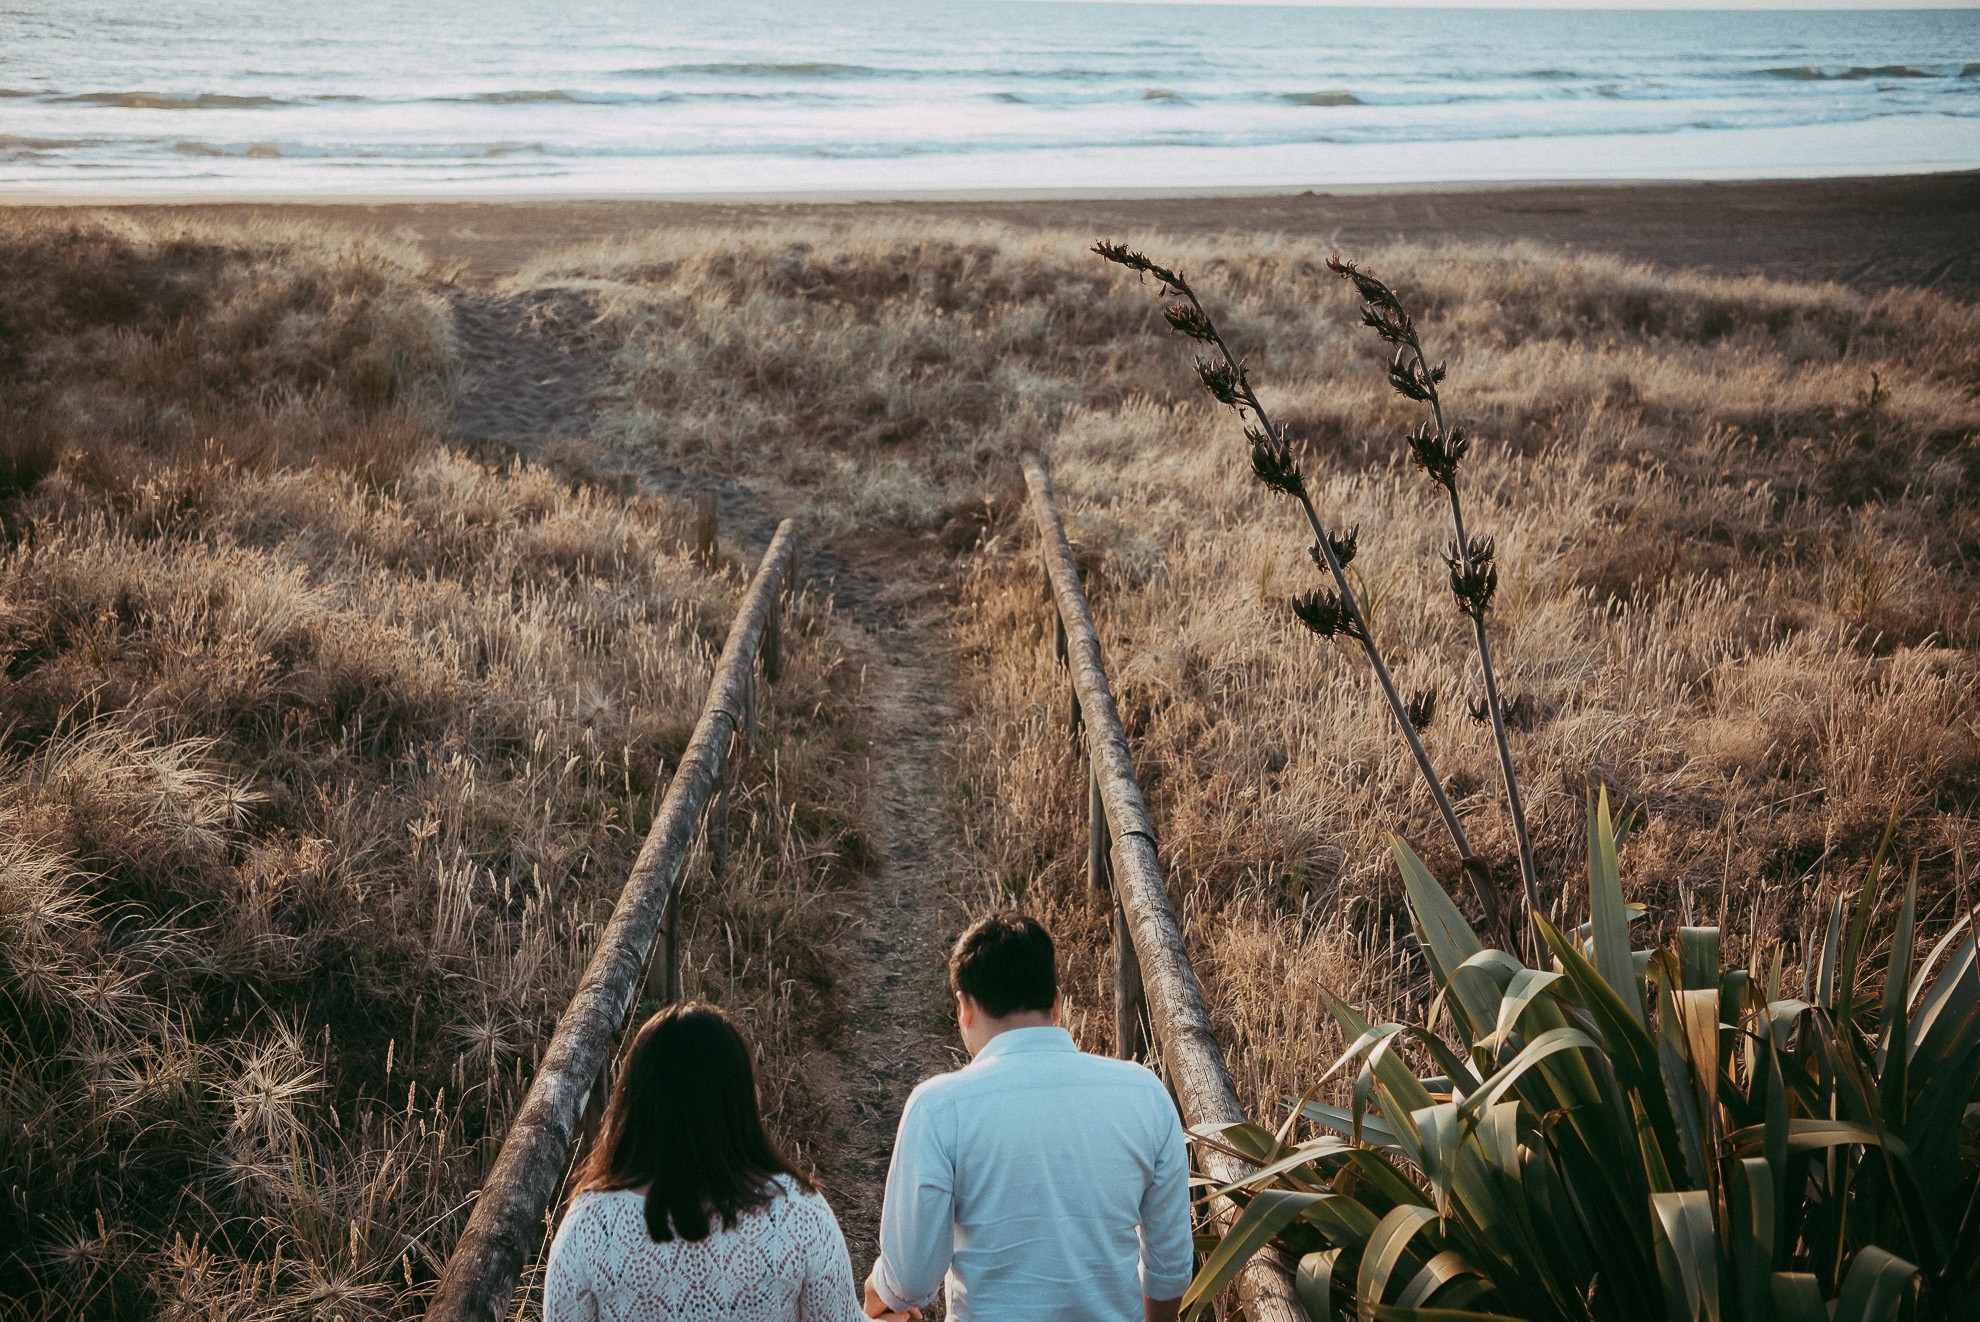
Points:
(505, 97)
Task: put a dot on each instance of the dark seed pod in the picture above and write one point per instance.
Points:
(1189, 319)
(1473, 587)
(1272, 461)
(1122, 255)
(1396, 330)
(1372, 291)
(1325, 613)
(1427, 449)
(1222, 381)
(1342, 545)
(1422, 708)
(1478, 710)
(1404, 378)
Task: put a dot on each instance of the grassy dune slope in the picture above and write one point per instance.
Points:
(1737, 533)
(324, 749)
(324, 752)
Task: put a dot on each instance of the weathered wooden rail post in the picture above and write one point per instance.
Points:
(1160, 976)
(705, 525)
(507, 1224)
(1099, 878)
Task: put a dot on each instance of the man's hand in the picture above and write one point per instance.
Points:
(877, 1307)
(1161, 1310)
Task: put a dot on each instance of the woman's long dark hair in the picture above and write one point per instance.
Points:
(683, 1119)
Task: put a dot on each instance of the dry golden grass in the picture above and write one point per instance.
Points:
(1736, 522)
(879, 374)
(1735, 588)
(324, 752)
(325, 748)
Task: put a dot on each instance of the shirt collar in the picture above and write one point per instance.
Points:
(1014, 1041)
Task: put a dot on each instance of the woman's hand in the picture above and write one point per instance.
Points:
(877, 1307)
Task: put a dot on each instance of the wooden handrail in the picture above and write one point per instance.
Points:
(1155, 952)
(508, 1219)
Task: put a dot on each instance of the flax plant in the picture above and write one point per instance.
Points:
(1337, 611)
(1638, 1136)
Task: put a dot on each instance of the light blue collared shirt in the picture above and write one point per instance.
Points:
(1038, 1178)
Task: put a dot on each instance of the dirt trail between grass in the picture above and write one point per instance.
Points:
(530, 367)
(899, 1029)
(533, 367)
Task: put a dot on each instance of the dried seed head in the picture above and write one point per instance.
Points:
(1189, 319)
(1407, 376)
(1122, 255)
(1323, 611)
(1272, 461)
(1391, 327)
(1372, 291)
(1439, 456)
(1473, 584)
(1341, 544)
(1224, 382)
(1479, 711)
(1422, 708)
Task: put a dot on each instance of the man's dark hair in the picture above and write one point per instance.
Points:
(1005, 963)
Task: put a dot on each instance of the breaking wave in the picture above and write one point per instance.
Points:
(170, 101)
(1808, 73)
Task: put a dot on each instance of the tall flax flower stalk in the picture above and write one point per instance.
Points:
(1439, 448)
(1327, 612)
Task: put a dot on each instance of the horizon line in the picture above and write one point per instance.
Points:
(1558, 6)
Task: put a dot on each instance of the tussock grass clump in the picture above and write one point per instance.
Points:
(324, 752)
(185, 316)
(893, 373)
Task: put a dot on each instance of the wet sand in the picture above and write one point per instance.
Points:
(1870, 233)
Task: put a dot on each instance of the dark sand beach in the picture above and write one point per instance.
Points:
(1868, 233)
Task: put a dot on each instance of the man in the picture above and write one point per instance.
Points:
(1044, 1183)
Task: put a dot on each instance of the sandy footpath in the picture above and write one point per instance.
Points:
(1868, 232)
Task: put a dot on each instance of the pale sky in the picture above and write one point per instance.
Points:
(1577, 4)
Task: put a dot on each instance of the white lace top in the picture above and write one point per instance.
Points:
(783, 1262)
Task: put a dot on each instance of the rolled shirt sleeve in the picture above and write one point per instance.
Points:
(918, 1221)
(1168, 1248)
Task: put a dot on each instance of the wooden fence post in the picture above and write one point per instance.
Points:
(705, 528)
(773, 645)
(1130, 1032)
(716, 823)
(663, 974)
(1074, 720)
(1130, 1001)
(1099, 881)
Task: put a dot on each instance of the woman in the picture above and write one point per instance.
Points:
(685, 1209)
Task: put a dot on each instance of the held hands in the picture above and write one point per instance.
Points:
(877, 1307)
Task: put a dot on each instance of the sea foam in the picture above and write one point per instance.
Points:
(466, 96)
